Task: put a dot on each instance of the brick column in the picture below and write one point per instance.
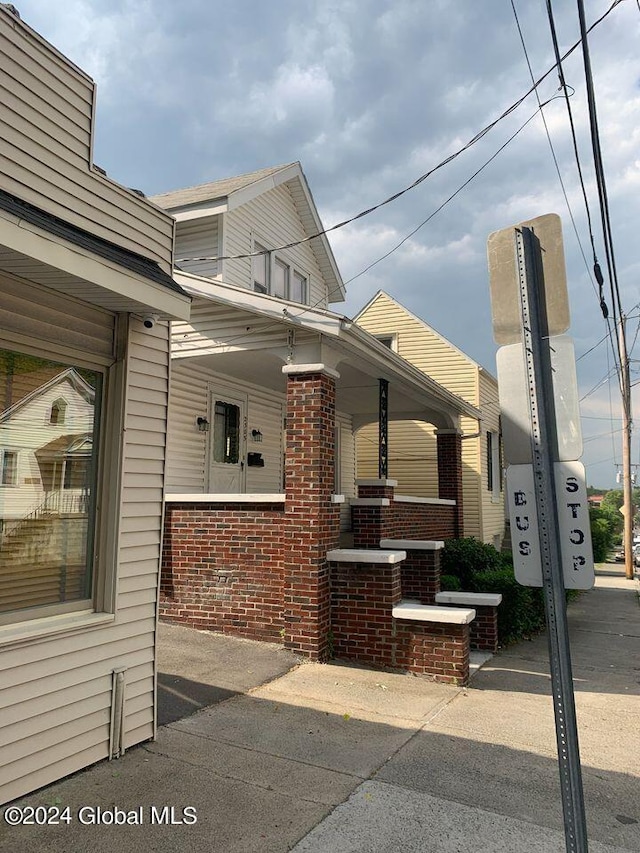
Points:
(313, 521)
(449, 442)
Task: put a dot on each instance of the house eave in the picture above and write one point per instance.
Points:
(337, 331)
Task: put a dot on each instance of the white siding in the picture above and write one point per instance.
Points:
(45, 147)
(187, 466)
(347, 467)
(273, 220)
(198, 238)
(56, 696)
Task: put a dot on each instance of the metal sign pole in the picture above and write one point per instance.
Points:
(545, 453)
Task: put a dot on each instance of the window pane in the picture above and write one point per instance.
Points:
(259, 269)
(48, 480)
(226, 433)
(299, 287)
(9, 468)
(280, 279)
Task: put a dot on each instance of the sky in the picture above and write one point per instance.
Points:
(369, 96)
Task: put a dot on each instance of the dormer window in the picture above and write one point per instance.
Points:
(58, 412)
(273, 274)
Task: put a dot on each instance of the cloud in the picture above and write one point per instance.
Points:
(369, 97)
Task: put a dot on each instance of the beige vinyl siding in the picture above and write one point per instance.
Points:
(423, 347)
(45, 148)
(412, 456)
(198, 238)
(271, 219)
(55, 704)
(187, 463)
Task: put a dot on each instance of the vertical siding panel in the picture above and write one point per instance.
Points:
(149, 356)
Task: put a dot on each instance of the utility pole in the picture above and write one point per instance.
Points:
(627, 486)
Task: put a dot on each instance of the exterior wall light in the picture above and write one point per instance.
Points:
(203, 424)
(256, 435)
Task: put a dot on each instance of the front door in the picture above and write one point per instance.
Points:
(227, 444)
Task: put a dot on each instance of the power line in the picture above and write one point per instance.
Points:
(478, 136)
(444, 203)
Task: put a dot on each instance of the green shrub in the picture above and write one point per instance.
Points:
(603, 534)
(466, 557)
(450, 583)
(481, 568)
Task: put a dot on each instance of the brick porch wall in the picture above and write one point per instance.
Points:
(400, 519)
(223, 568)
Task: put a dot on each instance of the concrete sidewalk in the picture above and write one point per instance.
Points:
(334, 758)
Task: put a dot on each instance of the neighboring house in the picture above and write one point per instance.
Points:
(83, 409)
(268, 390)
(412, 446)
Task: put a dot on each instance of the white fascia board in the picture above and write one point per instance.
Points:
(199, 211)
(245, 194)
(29, 240)
(288, 313)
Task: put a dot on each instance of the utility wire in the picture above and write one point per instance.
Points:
(309, 308)
(563, 86)
(423, 177)
(450, 198)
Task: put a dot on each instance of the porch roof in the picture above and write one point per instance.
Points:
(320, 336)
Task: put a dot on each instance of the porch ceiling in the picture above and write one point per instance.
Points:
(357, 391)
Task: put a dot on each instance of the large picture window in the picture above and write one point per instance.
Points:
(49, 426)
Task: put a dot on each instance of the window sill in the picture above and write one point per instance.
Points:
(40, 629)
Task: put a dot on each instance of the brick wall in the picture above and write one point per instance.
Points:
(363, 629)
(401, 520)
(362, 598)
(484, 629)
(421, 575)
(449, 444)
(440, 650)
(223, 568)
(313, 520)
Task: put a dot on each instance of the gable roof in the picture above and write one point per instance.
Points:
(230, 193)
(214, 189)
(34, 384)
(425, 325)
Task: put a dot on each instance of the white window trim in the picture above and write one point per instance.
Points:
(272, 256)
(393, 336)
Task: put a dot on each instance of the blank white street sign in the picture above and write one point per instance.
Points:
(573, 523)
(515, 401)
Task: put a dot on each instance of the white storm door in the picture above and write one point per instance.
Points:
(228, 436)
